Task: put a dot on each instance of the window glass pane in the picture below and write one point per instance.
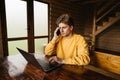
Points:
(40, 18)
(20, 44)
(40, 45)
(16, 18)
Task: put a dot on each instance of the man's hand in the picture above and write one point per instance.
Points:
(55, 35)
(56, 59)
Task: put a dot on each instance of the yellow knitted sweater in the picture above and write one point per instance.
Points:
(73, 50)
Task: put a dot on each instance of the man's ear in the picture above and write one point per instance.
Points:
(71, 27)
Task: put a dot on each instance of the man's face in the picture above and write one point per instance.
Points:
(65, 29)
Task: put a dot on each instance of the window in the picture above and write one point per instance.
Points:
(40, 25)
(16, 24)
(18, 31)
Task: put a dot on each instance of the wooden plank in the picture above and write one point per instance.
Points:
(94, 29)
(104, 7)
(107, 25)
(107, 12)
(106, 61)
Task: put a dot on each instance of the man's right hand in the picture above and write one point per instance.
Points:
(55, 37)
(55, 59)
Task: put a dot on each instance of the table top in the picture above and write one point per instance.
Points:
(15, 67)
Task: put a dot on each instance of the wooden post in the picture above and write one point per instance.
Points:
(94, 30)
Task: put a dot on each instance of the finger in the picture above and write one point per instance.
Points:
(52, 61)
(56, 29)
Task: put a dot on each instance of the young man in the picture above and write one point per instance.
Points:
(67, 47)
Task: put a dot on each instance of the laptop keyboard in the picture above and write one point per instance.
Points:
(43, 63)
(46, 66)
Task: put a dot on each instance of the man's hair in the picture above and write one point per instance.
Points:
(66, 19)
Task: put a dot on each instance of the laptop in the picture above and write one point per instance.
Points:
(41, 62)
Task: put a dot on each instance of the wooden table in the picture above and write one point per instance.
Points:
(16, 68)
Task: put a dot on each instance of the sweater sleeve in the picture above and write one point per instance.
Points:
(50, 48)
(82, 54)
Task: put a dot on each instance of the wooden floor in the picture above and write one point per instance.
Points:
(16, 68)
